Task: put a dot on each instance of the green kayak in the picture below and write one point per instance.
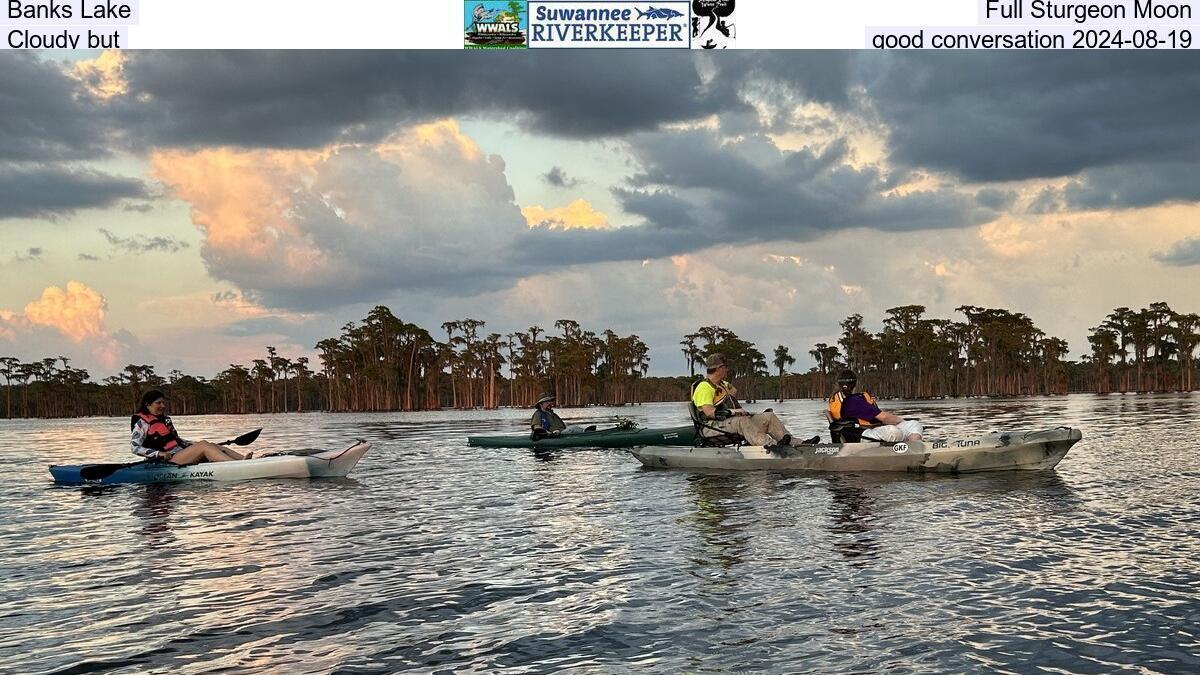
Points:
(613, 437)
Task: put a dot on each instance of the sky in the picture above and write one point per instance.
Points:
(187, 209)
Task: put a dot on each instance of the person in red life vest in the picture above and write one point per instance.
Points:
(154, 437)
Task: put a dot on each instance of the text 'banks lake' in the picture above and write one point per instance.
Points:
(433, 556)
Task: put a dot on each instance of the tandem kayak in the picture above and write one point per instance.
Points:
(295, 464)
(1007, 451)
(614, 437)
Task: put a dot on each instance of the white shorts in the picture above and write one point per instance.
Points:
(894, 433)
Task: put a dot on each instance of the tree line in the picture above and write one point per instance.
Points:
(383, 363)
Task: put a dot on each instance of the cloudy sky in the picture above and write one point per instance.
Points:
(186, 209)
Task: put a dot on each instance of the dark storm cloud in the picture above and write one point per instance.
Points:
(817, 75)
(43, 118)
(659, 207)
(694, 192)
(1181, 254)
(1122, 187)
(1134, 185)
(29, 255)
(996, 199)
(753, 190)
(1012, 116)
(556, 177)
(139, 243)
(270, 99)
(38, 191)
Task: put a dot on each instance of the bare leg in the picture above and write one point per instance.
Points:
(208, 452)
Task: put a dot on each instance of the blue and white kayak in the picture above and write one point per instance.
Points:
(295, 464)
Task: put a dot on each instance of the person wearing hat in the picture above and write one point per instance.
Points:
(714, 398)
(860, 407)
(545, 422)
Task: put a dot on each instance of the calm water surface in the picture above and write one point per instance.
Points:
(438, 557)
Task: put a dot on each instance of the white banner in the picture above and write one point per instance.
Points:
(709, 24)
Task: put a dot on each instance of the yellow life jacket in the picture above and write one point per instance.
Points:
(835, 408)
(720, 394)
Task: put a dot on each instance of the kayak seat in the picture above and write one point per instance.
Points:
(850, 431)
(845, 431)
(708, 435)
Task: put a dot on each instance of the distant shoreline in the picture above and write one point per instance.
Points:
(631, 406)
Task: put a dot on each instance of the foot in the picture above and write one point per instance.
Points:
(786, 440)
(248, 455)
(811, 441)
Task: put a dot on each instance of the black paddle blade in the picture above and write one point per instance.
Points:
(102, 471)
(245, 439)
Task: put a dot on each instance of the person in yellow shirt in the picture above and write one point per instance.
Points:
(714, 399)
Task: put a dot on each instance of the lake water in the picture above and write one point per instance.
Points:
(436, 557)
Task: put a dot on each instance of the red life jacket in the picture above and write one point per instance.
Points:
(160, 434)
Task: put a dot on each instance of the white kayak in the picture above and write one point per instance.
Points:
(294, 464)
(997, 451)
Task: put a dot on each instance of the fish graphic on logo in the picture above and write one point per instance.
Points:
(658, 13)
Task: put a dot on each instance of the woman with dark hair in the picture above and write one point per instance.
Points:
(154, 436)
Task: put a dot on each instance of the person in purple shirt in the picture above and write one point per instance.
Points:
(861, 407)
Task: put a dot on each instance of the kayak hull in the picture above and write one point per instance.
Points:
(328, 464)
(615, 437)
(1008, 451)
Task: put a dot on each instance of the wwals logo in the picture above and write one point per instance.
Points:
(495, 24)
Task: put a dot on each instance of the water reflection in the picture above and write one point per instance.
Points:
(435, 556)
(547, 454)
(154, 509)
(851, 514)
(721, 514)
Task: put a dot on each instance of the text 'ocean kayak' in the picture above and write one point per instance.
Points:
(614, 437)
(1008, 451)
(300, 464)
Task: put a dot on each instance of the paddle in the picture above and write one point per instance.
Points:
(102, 471)
(244, 439)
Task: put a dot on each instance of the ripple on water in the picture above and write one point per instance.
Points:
(438, 557)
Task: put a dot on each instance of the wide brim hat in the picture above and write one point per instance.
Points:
(545, 397)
